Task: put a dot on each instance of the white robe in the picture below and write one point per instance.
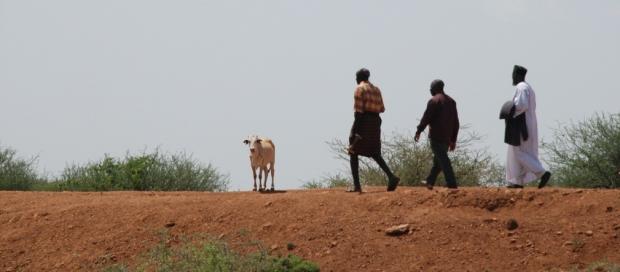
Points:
(522, 164)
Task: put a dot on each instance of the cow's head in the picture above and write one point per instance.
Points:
(253, 141)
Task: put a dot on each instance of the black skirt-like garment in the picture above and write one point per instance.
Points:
(368, 126)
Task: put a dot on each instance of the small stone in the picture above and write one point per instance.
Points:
(219, 237)
(617, 227)
(267, 225)
(44, 214)
(274, 247)
(558, 233)
(170, 224)
(397, 230)
(333, 244)
(290, 246)
(589, 233)
(512, 241)
(268, 204)
(568, 243)
(512, 224)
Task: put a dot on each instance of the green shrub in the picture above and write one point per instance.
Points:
(214, 255)
(412, 162)
(147, 171)
(587, 153)
(16, 173)
(328, 181)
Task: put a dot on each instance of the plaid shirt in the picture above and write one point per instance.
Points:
(368, 98)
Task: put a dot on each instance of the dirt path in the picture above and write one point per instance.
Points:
(462, 230)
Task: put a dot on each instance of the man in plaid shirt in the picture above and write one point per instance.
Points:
(365, 136)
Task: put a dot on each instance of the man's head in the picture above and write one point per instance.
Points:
(518, 74)
(437, 86)
(362, 75)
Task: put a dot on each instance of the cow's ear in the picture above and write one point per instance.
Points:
(246, 141)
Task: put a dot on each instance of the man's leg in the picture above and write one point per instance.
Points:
(514, 170)
(393, 179)
(532, 164)
(432, 176)
(440, 150)
(355, 165)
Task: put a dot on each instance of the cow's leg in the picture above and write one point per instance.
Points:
(266, 176)
(272, 170)
(254, 174)
(260, 178)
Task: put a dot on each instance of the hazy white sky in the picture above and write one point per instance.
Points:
(79, 79)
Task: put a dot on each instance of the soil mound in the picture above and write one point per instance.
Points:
(462, 230)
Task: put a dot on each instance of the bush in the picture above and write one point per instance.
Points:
(154, 171)
(412, 162)
(16, 173)
(329, 181)
(214, 255)
(587, 153)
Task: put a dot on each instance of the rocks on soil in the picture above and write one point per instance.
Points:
(512, 224)
(398, 230)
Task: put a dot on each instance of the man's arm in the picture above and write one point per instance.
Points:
(429, 114)
(455, 130)
(521, 100)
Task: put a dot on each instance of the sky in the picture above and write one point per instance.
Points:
(80, 79)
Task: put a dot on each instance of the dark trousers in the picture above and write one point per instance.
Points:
(441, 162)
(355, 165)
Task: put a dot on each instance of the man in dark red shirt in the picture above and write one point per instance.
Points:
(443, 119)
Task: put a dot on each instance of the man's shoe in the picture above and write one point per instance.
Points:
(544, 179)
(393, 183)
(514, 186)
(427, 184)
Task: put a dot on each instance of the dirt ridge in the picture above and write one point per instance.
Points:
(463, 230)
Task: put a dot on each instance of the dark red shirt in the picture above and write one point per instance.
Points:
(442, 117)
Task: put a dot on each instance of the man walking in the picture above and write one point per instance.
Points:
(523, 165)
(365, 136)
(443, 119)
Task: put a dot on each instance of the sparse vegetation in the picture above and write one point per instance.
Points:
(586, 154)
(601, 266)
(329, 181)
(16, 173)
(213, 255)
(412, 161)
(148, 171)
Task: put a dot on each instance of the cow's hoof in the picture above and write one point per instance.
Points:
(254, 190)
(272, 189)
(261, 190)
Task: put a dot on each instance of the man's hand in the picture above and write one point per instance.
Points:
(417, 137)
(452, 146)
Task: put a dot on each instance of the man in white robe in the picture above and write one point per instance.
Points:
(523, 165)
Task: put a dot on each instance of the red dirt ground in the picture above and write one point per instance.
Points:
(464, 230)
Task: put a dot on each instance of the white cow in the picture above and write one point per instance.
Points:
(262, 153)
